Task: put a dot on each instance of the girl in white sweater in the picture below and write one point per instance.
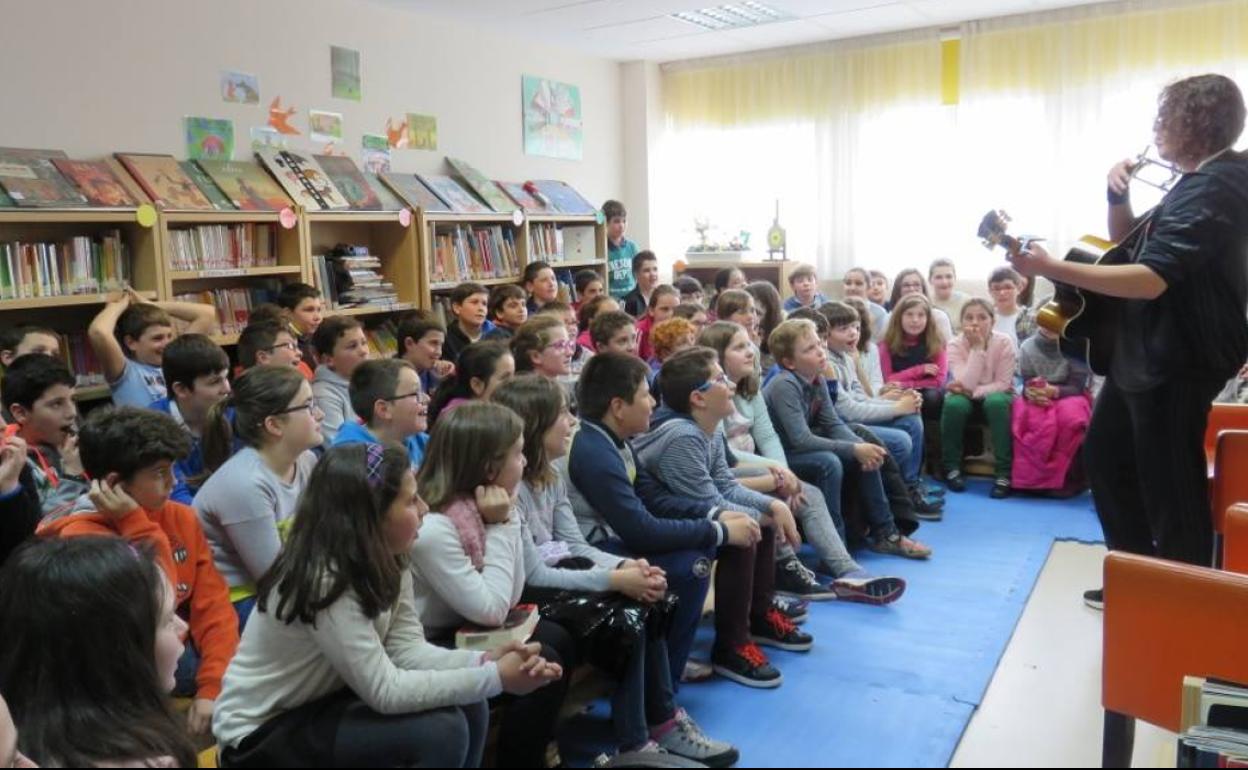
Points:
(334, 669)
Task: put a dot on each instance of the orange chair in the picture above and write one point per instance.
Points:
(1235, 539)
(1229, 484)
(1164, 621)
(1223, 417)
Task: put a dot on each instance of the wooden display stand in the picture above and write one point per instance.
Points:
(773, 272)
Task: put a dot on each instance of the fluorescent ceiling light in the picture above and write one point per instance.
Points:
(742, 13)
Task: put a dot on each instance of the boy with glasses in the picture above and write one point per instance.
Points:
(387, 396)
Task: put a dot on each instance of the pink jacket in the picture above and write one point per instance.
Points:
(914, 377)
(984, 371)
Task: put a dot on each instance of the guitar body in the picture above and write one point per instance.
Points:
(1086, 322)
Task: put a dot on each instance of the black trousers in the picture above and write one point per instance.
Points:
(1145, 459)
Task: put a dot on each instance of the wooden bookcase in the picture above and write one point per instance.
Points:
(596, 257)
(73, 313)
(776, 272)
(387, 238)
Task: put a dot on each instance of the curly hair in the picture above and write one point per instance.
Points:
(1200, 116)
(126, 439)
(671, 335)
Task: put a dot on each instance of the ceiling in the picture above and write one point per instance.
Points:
(629, 30)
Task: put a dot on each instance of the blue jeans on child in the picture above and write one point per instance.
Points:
(826, 471)
(903, 437)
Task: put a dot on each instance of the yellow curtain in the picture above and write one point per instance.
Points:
(1046, 53)
(802, 86)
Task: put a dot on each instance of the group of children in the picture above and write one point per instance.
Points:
(291, 542)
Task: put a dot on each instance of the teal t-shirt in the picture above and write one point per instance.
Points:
(620, 278)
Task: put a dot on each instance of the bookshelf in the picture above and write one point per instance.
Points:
(776, 272)
(391, 236)
(199, 251)
(453, 233)
(71, 314)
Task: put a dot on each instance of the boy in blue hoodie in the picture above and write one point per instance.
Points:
(387, 396)
(688, 456)
(682, 536)
(197, 373)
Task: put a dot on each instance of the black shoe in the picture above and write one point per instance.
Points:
(747, 665)
(796, 610)
(955, 482)
(793, 579)
(1000, 489)
(925, 508)
(1095, 599)
(777, 631)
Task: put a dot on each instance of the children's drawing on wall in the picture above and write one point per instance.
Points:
(240, 88)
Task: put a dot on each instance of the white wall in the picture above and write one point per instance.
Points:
(96, 76)
(642, 123)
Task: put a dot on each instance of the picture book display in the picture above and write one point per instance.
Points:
(530, 204)
(303, 179)
(206, 186)
(350, 181)
(164, 181)
(32, 181)
(411, 188)
(389, 201)
(246, 185)
(563, 197)
(459, 199)
(483, 187)
(95, 179)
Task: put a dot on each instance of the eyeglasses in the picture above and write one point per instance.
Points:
(310, 407)
(291, 346)
(419, 395)
(722, 379)
(562, 346)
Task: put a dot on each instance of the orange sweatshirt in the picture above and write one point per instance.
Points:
(184, 554)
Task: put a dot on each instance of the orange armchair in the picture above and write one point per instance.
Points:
(1164, 620)
(1223, 417)
(1235, 539)
(1229, 484)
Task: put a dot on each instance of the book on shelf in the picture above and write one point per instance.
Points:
(530, 204)
(472, 252)
(349, 276)
(567, 286)
(389, 201)
(486, 189)
(383, 342)
(5, 201)
(80, 356)
(554, 244)
(234, 305)
(246, 185)
(33, 181)
(563, 197)
(411, 188)
(457, 198)
(206, 185)
(223, 247)
(350, 181)
(164, 181)
(79, 265)
(96, 181)
(518, 627)
(303, 179)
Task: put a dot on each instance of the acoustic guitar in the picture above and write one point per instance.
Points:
(1085, 322)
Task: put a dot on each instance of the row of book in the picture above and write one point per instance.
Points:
(552, 243)
(78, 353)
(223, 247)
(81, 265)
(467, 253)
(233, 306)
(35, 178)
(350, 277)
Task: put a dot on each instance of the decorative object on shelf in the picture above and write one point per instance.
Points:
(552, 118)
(350, 182)
(164, 181)
(31, 180)
(776, 237)
(303, 179)
(96, 181)
(700, 226)
(487, 190)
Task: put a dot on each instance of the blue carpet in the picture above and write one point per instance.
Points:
(891, 686)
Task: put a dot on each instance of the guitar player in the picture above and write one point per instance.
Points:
(1182, 332)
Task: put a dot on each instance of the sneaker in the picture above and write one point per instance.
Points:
(955, 482)
(1000, 489)
(777, 631)
(932, 490)
(683, 738)
(926, 508)
(793, 579)
(796, 610)
(747, 665)
(900, 545)
(696, 672)
(646, 755)
(860, 586)
(1095, 599)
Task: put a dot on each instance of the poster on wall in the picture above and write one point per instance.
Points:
(552, 118)
(422, 132)
(267, 137)
(240, 88)
(344, 64)
(209, 138)
(324, 127)
(375, 153)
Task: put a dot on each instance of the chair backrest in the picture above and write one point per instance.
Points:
(1235, 539)
(1223, 417)
(1230, 474)
(1163, 621)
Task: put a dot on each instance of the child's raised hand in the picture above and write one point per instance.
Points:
(111, 500)
(12, 460)
(71, 461)
(494, 504)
